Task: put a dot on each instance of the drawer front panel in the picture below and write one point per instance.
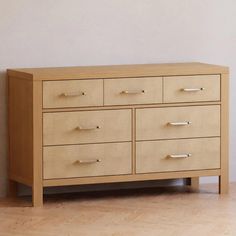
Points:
(86, 127)
(177, 155)
(192, 88)
(132, 91)
(86, 160)
(72, 93)
(177, 122)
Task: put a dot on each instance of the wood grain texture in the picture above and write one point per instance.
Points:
(83, 93)
(20, 118)
(154, 123)
(134, 106)
(61, 127)
(130, 178)
(139, 91)
(37, 188)
(155, 211)
(121, 71)
(174, 85)
(224, 178)
(153, 156)
(62, 161)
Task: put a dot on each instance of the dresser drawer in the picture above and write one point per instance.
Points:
(177, 155)
(86, 160)
(177, 122)
(72, 93)
(133, 91)
(192, 88)
(86, 127)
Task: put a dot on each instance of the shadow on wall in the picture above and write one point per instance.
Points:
(3, 133)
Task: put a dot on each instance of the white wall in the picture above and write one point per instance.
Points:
(37, 33)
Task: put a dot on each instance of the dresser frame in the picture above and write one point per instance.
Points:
(25, 109)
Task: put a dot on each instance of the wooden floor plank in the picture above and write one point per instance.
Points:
(169, 211)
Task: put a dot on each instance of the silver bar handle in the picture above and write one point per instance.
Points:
(176, 156)
(91, 161)
(73, 94)
(133, 92)
(182, 123)
(192, 89)
(80, 128)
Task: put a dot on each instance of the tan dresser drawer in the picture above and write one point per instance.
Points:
(132, 91)
(177, 155)
(72, 93)
(86, 160)
(191, 88)
(177, 122)
(86, 127)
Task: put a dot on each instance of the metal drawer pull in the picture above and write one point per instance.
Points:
(180, 123)
(75, 94)
(133, 92)
(87, 161)
(192, 89)
(87, 128)
(176, 156)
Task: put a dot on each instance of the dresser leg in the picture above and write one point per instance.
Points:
(195, 183)
(223, 184)
(12, 189)
(37, 196)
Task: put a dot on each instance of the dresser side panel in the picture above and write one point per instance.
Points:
(20, 119)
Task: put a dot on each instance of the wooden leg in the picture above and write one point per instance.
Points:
(37, 196)
(193, 182)
(223, 184)
(12, 189)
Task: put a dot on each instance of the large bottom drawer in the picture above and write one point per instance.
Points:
(86, 160)
(177, 155)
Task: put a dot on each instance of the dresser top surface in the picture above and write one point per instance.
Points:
(117, 71)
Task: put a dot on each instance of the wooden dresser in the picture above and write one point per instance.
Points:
(103, 124)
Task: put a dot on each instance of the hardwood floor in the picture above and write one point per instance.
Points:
(164, 211)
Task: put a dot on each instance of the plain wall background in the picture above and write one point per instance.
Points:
(90, 32)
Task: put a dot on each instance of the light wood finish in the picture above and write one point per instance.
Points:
(153, 123)
(109, 126)
(135, 106)
(103, 159)
(20, 118)
(133, 91)
(72, 93)
(156, 156)
(191, 88)
(37, 186)
(194, 183)
(72, 124)
(25, 136)
(224, 177)
(117, 71)
(131, 178)
(149, 211)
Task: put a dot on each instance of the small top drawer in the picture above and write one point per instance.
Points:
(72, 93)
(133, 91)
(191, 88)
